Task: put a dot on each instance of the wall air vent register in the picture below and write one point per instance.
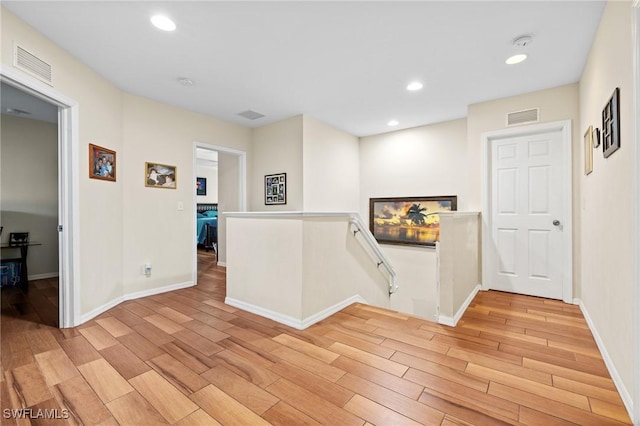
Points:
(30, 63)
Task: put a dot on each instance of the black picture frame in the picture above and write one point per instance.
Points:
(201, 186)
(18, 238)
(611, 125)
(275, 189)
(410, 221)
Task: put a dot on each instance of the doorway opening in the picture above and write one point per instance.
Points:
(219, 174)
(65, 159)
(29, 207)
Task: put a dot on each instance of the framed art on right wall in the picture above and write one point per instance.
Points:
(611, 125)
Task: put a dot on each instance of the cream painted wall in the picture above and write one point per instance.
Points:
(211, 173)
(606, 194)
(560, 103)
(262, 273)
(29, 188)
(277, 148)
(416, 269)
(228, 197)
(155, 231)
(123, 224)
(330, 167)
(100, 252)
(336, 267)
(423, 161)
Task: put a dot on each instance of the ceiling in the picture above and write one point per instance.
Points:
(21, 104)
(345, 63)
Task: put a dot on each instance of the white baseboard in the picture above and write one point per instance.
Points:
(298, 323)
(267, 313)
(617, 380)
(453, 321)
(130, 296)
(100, 309)
(223, 264)
(317, 317)
(158, 290)
(42, 276)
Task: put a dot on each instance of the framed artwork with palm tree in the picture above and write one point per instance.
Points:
(409, 220)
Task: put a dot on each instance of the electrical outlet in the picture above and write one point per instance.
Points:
(146, 269)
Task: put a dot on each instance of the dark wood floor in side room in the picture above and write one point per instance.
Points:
(186, 358)
(38, 305)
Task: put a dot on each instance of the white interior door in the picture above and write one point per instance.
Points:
(526, 214)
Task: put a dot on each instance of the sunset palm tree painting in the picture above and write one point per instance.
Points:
(413, 221)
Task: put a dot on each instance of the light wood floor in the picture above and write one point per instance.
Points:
(186, 358)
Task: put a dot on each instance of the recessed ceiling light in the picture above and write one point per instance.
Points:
(393, 123)
(416, 85)
(163, 22)
(516, 59)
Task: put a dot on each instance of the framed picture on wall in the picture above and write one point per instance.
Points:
(275, 189)
(611, 125)
(102, 163)
(201, 186)
(588, 151)
(409, 220)
(160, 176)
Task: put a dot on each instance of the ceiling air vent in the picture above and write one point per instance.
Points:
(28, 62)
(251, 115)
(523, 117)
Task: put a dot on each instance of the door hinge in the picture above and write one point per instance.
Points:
(59, 228)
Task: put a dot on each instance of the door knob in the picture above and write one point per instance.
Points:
(556, 222)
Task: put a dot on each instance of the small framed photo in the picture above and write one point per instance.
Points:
(596, 138)
(201, 186)
(588, 151)
(102, 163)
(158, 175)
(275, 189)
(18, 238)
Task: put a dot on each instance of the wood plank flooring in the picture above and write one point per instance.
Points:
(185, 358)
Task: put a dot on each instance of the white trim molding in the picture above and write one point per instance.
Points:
(567, 236)
(615, 376)
(131, 296)
(453, 321)
(635, 413)
(297, 323)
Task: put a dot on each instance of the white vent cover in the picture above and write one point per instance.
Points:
(250, 115)
(28, 62)
(523, 117)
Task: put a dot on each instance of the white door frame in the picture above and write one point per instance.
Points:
(488, 251)
(68, 188)
(636, 208)
(242, 189)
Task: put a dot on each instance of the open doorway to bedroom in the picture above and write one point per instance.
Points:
(206, 209)
(219, 175)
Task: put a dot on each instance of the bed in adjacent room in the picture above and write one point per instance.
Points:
(207, 226)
